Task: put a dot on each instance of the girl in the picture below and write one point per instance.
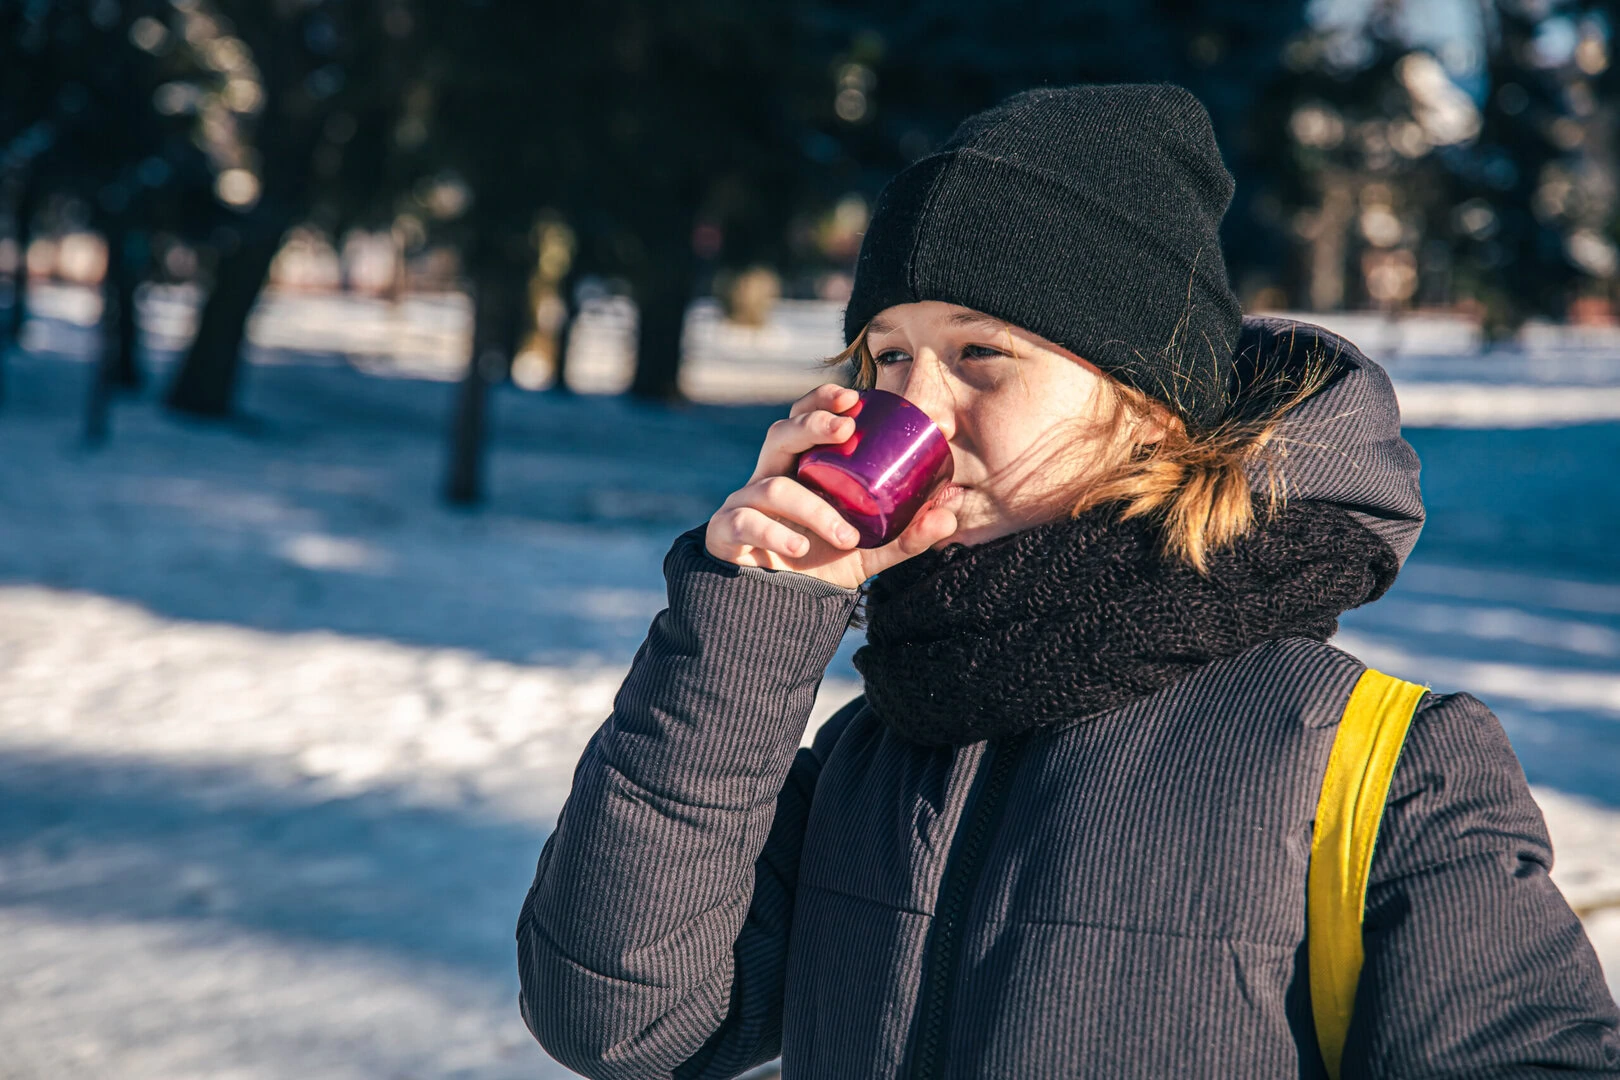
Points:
(1066, 830)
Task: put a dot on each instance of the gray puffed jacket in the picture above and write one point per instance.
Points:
(1123, 895)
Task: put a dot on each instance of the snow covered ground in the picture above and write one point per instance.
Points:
(280, 736)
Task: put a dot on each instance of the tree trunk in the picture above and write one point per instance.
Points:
(126, 261)
(27, 204)
(663, 290)
(98, 403)
(565, 333)
(1327, 290)
(17, 314)
(115, 367)
(206, 383)
(497, 317)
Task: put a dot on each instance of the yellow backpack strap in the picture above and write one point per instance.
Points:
(1359, 770)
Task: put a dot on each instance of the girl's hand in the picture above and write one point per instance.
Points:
(776, 522)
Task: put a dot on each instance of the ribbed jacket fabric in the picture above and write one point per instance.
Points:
(713, 896)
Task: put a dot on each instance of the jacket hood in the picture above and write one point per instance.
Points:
(1342, 445)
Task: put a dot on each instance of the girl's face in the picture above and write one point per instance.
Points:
(1023, 416)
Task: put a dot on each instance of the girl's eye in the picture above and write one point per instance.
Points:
(972, 352)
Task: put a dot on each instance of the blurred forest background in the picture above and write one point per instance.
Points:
(1453, 155)
(282, 733)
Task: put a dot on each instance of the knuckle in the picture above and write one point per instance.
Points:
(818, 397)
(776, 488)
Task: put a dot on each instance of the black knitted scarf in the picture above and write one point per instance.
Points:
(1074, 617)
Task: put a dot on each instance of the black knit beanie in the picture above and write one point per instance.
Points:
(1089, 215)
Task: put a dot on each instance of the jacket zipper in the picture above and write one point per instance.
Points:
(956, 891)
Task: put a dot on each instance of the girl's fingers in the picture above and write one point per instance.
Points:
(829, 396)
(746, 532)
(929, 528)
(789, 438)
(784, 498)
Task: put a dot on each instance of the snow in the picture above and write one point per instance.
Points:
(1439, 404)
(281, 736)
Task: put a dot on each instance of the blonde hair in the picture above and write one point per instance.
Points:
(1196, 486)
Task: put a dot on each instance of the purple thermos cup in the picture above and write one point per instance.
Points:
(881, 476)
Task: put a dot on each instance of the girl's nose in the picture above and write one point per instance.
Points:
(928, 387)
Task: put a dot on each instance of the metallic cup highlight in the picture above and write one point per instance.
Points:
(881, 476)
